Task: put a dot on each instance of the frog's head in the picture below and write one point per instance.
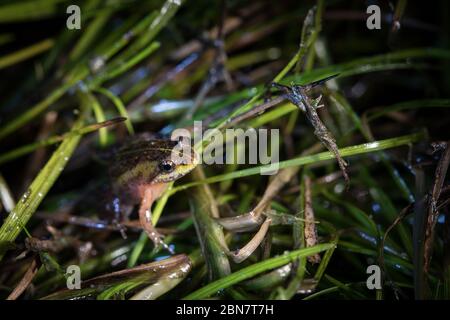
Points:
(176, 161)
(144, 162)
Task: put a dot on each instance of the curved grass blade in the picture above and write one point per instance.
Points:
(159, 277)
(90, 100)
(119, 106)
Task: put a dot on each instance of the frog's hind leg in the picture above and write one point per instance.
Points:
(150, 194)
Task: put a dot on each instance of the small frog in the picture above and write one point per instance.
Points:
(140, 172)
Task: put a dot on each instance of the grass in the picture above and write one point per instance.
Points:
(31, 199)
(139, 67)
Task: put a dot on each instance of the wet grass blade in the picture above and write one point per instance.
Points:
(38, 189)
(255, 269)
(154, 279)
(301, 161)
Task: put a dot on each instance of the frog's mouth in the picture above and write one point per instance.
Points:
(185, 169)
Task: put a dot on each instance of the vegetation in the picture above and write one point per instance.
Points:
(363, 120)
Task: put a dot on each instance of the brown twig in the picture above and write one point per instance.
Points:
(433, 213)
(298, 96)
(254, 111)
(310, 226)
(26, 279)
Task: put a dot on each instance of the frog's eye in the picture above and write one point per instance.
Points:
(167, 166)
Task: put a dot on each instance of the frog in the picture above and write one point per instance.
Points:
(141, 170)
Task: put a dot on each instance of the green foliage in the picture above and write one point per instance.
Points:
(141, 62)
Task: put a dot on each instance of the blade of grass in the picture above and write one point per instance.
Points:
(91, 31)
(26, 10)
(301, 161)
(255, 269)
(366, 132)
(123, 66)
(23, 150)
(90, 100)
(152, 21)
(209, 232)
(26, 53)
(119, 106)
(367, 63)
(38, 189)
(408, 105)
(298, 235)
(388, 209)
(326, 259)
(6, 197)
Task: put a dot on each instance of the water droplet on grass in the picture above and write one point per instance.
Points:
(26, 196)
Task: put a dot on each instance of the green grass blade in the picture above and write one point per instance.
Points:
(255, 269)
(119, 106)
(93, 103)
(408, 105)
(25, 53)
(26, 149)
(38, 189)
(301, 161)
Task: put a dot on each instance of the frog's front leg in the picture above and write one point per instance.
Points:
(149, 194)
